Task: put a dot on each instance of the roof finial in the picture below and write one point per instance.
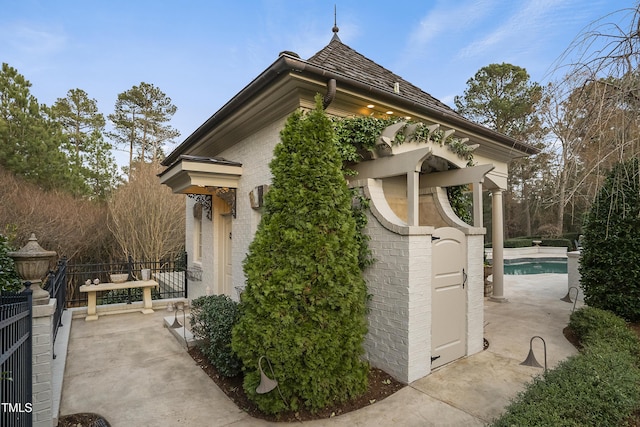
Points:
(335, 28)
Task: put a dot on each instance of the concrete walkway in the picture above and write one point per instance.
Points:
(131, 370)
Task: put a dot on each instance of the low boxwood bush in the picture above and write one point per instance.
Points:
(595, 388)
(598, 387)
(558, 243)
(518, 243)
(212, 319)
(594, 327)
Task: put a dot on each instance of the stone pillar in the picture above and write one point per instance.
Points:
(42, 358)
(497, 237)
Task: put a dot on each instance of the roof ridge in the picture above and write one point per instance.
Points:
(339, 57)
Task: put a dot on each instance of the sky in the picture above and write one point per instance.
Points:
(201, 53)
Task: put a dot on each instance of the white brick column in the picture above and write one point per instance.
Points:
(42, 357)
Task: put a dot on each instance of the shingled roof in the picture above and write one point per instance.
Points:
(338, 61)
(340, 58)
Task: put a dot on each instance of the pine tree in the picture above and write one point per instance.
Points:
(83, 125)
(31, 140)
(305, 298)
(140, 118)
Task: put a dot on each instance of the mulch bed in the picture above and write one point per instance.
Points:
(381, 385)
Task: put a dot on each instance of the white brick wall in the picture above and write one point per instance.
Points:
(42, 357)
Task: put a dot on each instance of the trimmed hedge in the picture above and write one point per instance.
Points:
(212, 319)
(598, 387)
(525, 242)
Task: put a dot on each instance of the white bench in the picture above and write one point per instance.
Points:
(91, 290)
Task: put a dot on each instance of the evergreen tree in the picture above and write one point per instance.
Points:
(305, 298)
(610, 261)
(83, 125)
(140, 118)
(31, 139)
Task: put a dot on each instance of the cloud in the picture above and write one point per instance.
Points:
(27, 39)
(527, 27)
(446, 19)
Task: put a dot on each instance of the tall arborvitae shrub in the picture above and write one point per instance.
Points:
(305, 298)
(610, 262)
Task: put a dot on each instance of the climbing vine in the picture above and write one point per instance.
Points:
(355, 135)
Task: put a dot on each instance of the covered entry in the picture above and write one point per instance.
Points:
(210, 183)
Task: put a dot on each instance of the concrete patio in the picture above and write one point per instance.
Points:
(132, 371)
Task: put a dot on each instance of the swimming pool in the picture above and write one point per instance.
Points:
(535, 266)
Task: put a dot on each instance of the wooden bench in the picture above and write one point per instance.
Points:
(91, 290)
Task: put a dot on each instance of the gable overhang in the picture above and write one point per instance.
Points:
(199, 175)
(495, 143)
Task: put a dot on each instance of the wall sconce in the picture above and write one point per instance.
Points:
(531, 359)
(256, 196)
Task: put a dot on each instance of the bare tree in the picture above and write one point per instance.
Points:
(593, 108)
(146, 218)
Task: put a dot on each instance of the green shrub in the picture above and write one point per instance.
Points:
(558, 243)
(304, 305)
(595, 388)
(212, 319)
(594, 326)
(598, 387)
(609, 270)
(9, 279)
(518, 243)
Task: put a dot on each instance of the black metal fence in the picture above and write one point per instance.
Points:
(170, 273)
(56, 284)
(15, 361)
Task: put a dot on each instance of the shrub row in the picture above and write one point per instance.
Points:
(597, 387)
(525, 242)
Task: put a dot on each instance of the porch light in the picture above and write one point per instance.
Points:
(390, 113)
(531, 359)
(370, 106)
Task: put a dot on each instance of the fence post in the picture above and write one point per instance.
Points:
(186, 279)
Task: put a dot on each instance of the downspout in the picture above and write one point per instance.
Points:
(330, 95)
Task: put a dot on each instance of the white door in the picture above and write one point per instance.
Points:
(449, 296)
(225, 261)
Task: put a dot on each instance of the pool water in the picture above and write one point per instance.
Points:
(516, 267)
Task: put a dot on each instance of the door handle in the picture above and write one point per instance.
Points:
(464, 278)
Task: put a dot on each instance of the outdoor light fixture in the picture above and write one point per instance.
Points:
(531, 359)
(266, 383)
(179, 306)
(567, 297)
(370, 106)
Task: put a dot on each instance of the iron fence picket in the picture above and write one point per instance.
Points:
(169, 272)
(15, 359)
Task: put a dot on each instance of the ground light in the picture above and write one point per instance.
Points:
(567, 297)
(267, 384)
(531, 359)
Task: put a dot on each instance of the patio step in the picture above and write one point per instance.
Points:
(176, 325)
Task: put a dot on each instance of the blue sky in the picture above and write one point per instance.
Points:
(201, 53)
